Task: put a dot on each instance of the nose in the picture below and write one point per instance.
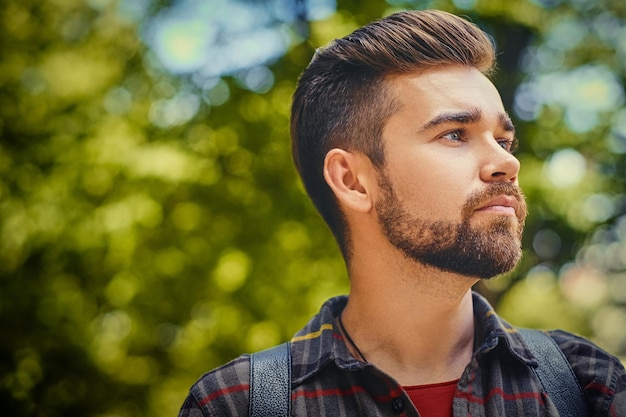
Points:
(499, 165)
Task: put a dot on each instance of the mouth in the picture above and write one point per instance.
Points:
(503, 204)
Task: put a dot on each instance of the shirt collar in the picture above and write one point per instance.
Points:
(320, 342)
(493, 331)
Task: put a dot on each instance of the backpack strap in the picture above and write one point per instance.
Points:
(556, 374)
(270, 382)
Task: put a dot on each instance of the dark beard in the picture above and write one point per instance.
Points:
(483, 251)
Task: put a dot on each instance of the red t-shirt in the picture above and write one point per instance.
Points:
(433, 400)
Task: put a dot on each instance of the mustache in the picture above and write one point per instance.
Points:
(478, 198)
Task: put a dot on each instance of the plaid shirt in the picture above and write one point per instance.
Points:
(499, 380)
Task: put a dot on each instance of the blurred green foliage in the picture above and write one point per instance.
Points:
(151, 229)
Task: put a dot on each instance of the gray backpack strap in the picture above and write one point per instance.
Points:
(556, 374)
(270, 382)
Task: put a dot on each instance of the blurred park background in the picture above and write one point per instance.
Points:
(152, 226)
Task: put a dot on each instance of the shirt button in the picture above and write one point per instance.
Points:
(397, 404)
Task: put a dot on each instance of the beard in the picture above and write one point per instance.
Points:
(485, 250)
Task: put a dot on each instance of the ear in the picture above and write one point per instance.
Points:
(349, 175)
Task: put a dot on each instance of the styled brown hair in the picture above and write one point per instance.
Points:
(341, 100)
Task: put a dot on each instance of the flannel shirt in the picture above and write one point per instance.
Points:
(499, 381)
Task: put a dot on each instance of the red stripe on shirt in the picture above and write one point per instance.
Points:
(504, 395)
(328, 392)
(600, 388)
(339, 393)
(225, 391)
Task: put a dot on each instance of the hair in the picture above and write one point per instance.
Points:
(341, 99)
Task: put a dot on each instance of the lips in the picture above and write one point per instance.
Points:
(503, 204)
(502, 198)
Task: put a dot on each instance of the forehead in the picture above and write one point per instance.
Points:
(427, 93)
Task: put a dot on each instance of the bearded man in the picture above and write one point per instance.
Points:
(406, 150)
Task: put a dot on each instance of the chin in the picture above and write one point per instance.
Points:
(480, 252)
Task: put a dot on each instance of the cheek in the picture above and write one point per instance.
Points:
(434, 188)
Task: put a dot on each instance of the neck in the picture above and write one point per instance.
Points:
(416, 324)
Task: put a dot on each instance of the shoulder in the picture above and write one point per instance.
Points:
(223, 391)
(600, 374)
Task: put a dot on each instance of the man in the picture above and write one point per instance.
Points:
(404, 146)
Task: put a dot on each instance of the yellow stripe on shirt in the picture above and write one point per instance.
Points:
(313, 335)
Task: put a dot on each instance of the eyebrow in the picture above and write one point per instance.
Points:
(466, 117)
(506, 122)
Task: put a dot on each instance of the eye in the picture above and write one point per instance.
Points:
(457, 135)
(509, 145)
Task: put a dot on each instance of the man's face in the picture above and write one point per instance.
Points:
(449, 195)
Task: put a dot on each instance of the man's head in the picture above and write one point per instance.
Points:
(409, 96)
(342, 100)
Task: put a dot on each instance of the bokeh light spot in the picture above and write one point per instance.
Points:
(566, 168)
(232, 270)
